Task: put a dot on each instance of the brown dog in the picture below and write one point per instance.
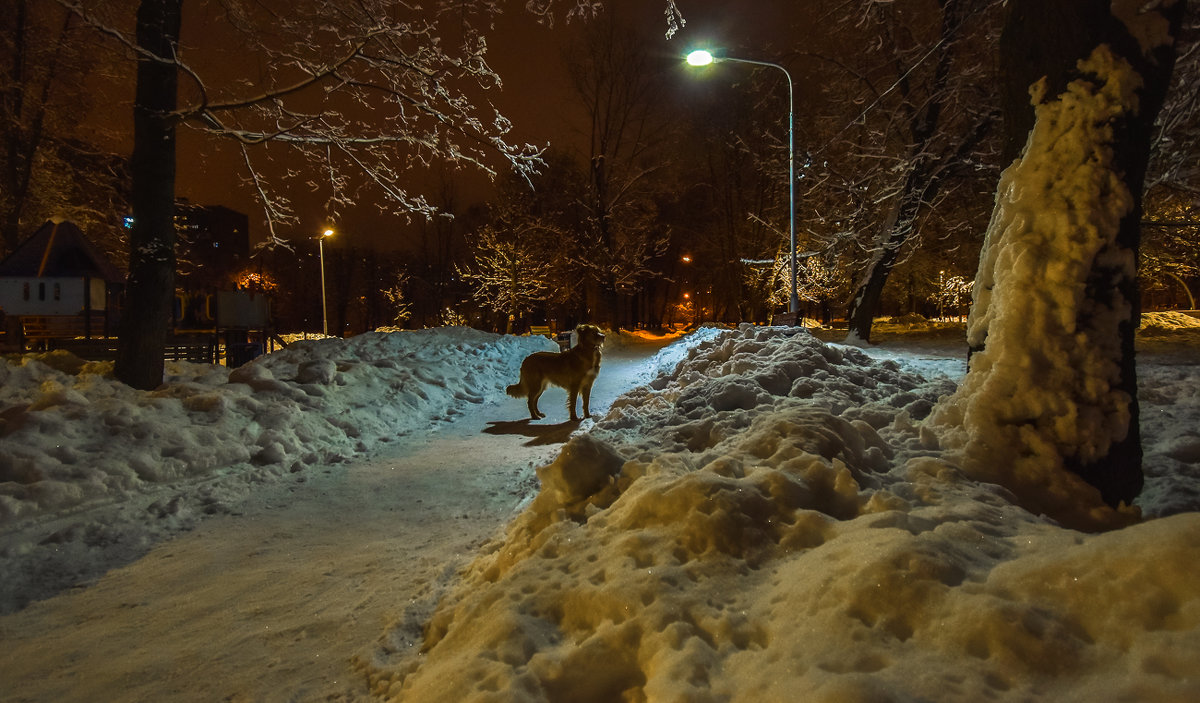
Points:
(575, 370)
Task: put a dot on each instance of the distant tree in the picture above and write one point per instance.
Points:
(733, 197)
(509, 275)
(45, 170)
(953, 293)
(1171, 253)
(544, 213)
(819, 281)
(620, 87)
(398, 300)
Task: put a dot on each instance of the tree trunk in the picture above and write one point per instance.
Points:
(1034, 45)
(1043, 40)
(151, 282)
(1095, 329)
(865, 304)
(1119, 475)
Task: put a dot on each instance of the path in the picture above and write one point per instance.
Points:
(272, 603)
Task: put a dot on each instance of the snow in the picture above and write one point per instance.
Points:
(1046, 387)
(763, 516)
(772, 521)
(72, 437)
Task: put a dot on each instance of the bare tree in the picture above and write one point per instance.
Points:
(364, 92)
(1171, 253)
(45, 169)
(620, 87)
(1177, 130)
(398, 299)
(543, 217)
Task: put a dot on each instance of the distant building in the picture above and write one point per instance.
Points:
(57, 283)
(213, 245)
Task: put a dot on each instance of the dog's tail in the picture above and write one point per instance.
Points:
(516, 390)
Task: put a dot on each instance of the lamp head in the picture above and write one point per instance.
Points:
(327, 233)
(700, 57)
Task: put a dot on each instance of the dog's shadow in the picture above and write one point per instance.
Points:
(539, 434)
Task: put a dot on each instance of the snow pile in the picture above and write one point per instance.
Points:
(1167, 331)
(772, 521)
(73, 438)
(1169, 321)
(1170, 403)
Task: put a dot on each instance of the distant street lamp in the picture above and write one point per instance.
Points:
(704, 58)
(321, 247)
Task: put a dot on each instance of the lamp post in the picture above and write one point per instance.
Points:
(704, 58)
(321, 247)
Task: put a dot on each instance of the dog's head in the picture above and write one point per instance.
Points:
(589, 336)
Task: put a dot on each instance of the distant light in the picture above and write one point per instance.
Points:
(128, 222)
(700, 57)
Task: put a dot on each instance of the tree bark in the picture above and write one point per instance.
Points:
(145, 318)
(865, 304)
(1046, 40)
(1119, 475)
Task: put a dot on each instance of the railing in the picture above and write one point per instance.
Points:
(201, 350)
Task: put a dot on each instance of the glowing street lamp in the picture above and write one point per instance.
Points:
(701, 57)
(321, 247)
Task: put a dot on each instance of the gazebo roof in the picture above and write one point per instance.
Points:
(59, 249)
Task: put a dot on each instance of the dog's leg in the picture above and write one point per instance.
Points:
(535, 392)
(587, 396)
(572, 395)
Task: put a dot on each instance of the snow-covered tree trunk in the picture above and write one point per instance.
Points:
(151, 283)
(1051, 394)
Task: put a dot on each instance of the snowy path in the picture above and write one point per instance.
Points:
(273, 603)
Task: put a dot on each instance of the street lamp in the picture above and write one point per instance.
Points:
(321, 247)
(704, 58)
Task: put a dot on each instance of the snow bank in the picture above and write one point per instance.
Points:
(72, 438)
(772, 521)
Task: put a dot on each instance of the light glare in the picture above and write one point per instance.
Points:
(700, 57)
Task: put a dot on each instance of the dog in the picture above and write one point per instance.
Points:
(573, 370)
